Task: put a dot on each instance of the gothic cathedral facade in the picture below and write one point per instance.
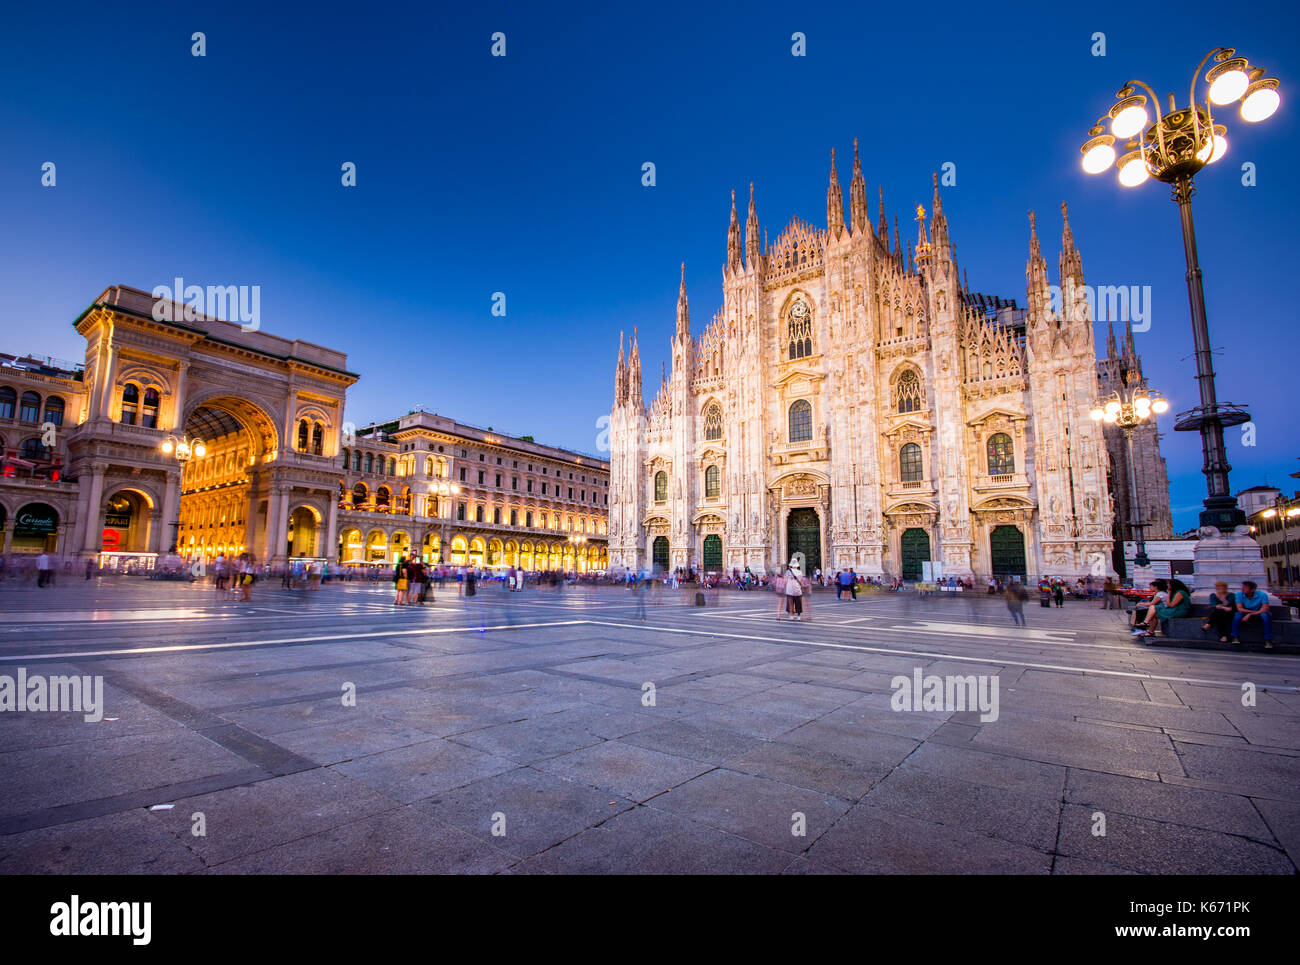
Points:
(854, 406)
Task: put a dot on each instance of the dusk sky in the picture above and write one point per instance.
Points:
(523, 175)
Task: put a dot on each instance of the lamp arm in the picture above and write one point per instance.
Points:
(1191, 98)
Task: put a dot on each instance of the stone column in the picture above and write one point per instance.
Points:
(9, 534)
(332, 531)
(170, 511)
(270, 541)
(279, 534)
(91, 531)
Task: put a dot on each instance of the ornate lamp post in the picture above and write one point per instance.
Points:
(577, 542)
(1173, 149)
(182, 450)
(1129, 409)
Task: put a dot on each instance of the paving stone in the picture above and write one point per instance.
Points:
(636, 773)
(423, 770)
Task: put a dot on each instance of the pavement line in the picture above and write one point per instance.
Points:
(988, 661)
(179, 648)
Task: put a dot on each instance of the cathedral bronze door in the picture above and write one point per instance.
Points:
(659, 554)
(712, 554)
(803, 534)
(914, 549)
(1007, 552)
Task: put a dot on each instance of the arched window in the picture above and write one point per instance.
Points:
(149, 414)
(907, 392)
(370, 462)
(29, 410)
(909, 463)
(478, 514)
(712, 483)
(800, 421)
(130, 403)
(302, 436)
(1002, 457)
(428, 465)
(799, 330)
(347, 459)
(8, 397)
(713, 422)
(54, 410)
(359, 494)
(661, 486)
(514, 517)
(496, 515)
(382, 496)
(528, 520)
(317, 439)
(356, 460)
(392, 466)
(33, 448)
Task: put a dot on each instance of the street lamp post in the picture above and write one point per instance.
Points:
(181, 450)
(444, 490)
(1129, 409)
(1179, 144)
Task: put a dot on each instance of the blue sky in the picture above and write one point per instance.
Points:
(522, 175)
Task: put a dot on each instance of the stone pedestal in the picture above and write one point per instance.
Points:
(1231, 557)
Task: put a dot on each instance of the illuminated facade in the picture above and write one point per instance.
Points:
(862, 407)
(430, 487)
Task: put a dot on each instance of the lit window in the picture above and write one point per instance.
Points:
(909, 463)
(801, 421)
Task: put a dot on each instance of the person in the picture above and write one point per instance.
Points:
(222, 575)
(415, 574)
(400, 582)
(1179, 605)
(782, 602)
(638, 587)
(1252, 605)
(1045, 592)
(470, 579)
(853, 583)
(314, 573)
(247, 574)
(43, 569)
(90, 567)
(1058, 592)
(1110, 595)
(1144, 626)
(793, 593)
(843, 584)
(1016, 596)
(1223, 605)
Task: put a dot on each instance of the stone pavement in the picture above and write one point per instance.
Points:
(711, 739)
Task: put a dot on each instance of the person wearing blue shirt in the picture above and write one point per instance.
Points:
(1252, 604)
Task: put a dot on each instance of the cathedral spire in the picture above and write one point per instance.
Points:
(857, 194)
(1071, 262)
(634, 373)
(1111, 350)
(733, 238)
(939, 221)
(752, 252)
(683, 309)
(620, 375)
(883, 229)
(1036, 289)
(1130, 351)
(834, 203)
(898, 244)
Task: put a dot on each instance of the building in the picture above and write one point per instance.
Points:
(1256, 499)
(447, 492)
(91, 468)
(1275, 525)
(861, 406)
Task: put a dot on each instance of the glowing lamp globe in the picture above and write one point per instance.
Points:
(1261, 101)
(1132, 169)
(1228, 81)
(1128, 117)
(1159, 406)
(1098, 154)
(1097, 414)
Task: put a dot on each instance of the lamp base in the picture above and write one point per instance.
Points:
(1222, 513)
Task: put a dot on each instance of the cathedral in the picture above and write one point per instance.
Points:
(855, 405)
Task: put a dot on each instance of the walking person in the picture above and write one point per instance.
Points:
(247, 574)
(1045, 592)
(1016, 595)
(793, 593)
(1058, 592)
(1110, 595)
(43, 569)
(400, 582)
(415, 573)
